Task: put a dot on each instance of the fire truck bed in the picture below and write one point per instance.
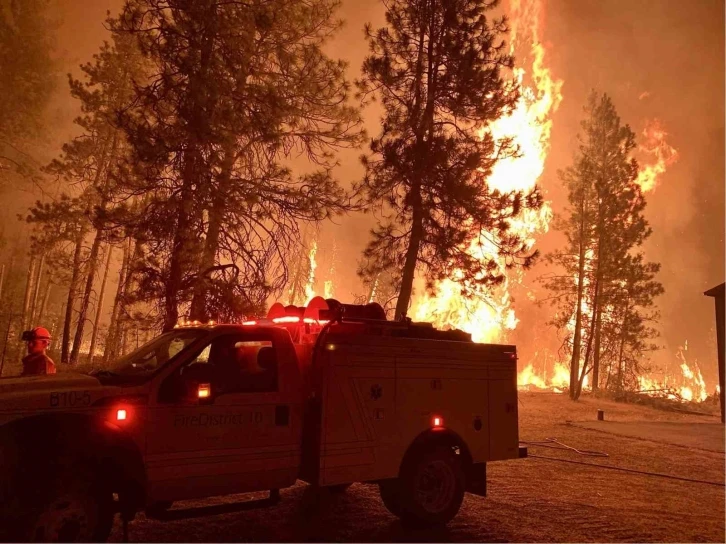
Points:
(530, 500)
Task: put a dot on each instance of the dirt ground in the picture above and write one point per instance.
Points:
(530, 500)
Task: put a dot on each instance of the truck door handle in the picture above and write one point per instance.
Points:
(282, 416)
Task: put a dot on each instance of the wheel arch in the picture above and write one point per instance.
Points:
(439, 436)
(109, 448)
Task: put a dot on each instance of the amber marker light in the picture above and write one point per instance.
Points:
(204, 391)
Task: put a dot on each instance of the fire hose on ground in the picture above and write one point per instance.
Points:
(555, 444)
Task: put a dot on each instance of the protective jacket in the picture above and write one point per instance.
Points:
(37, 364)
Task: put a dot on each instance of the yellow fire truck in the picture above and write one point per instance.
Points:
(330, 394)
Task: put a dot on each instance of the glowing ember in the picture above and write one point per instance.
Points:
(654, 145)
(489, 316)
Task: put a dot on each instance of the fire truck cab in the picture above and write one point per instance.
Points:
(330, 394)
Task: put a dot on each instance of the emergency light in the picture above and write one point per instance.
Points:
(204, 391)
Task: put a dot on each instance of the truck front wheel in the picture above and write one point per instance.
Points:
(72, 508)
(431, 487)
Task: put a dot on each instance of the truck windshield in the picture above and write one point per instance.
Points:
(154, 354)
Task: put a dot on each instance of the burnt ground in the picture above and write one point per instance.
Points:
(530, 500)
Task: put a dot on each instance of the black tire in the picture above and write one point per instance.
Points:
(390, 495)
(157, 509)
(432, 487)
(338, 489)
(72, 508)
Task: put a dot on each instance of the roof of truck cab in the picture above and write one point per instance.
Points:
(231, 327)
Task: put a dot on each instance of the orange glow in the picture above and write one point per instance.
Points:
(249, 323)
(437, 421)
(204, 391)
(121, 414)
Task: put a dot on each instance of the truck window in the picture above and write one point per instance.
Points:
(152, 355)
(240, 364)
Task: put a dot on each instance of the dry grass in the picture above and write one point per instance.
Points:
(530, 500)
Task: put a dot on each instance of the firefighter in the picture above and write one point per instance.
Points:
(37, 362)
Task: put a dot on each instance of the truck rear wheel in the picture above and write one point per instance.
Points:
(432, 487)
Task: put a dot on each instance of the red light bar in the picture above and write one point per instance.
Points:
(249, 323)
(311, 321)
(287, 319)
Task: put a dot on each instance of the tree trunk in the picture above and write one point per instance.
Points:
(577, 338)
(99, 306)
(90, 276)
(122, 334)
(25, 319)
(588, 350)
(596, 348)
(114, 326)
(2, 280)
(198, 309)
(36, 291)
(44, 304)
(178, 259)
(191, 174)
(425, 127)
(409, 267)
(619, 384)
(72, 294)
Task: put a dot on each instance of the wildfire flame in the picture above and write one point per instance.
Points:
(654, 145)
(489, 316)
(310, 286)
(689, 386)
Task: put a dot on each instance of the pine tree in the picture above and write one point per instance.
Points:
(437, 68)
(60, 229)
(604, 225)
(88, 163)
(237, 87)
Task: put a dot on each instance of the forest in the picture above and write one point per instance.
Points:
(205, 160)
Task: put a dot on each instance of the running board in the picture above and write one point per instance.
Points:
(217, 509)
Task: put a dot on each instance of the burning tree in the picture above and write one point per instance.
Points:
(606, 292)
(437, 69)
